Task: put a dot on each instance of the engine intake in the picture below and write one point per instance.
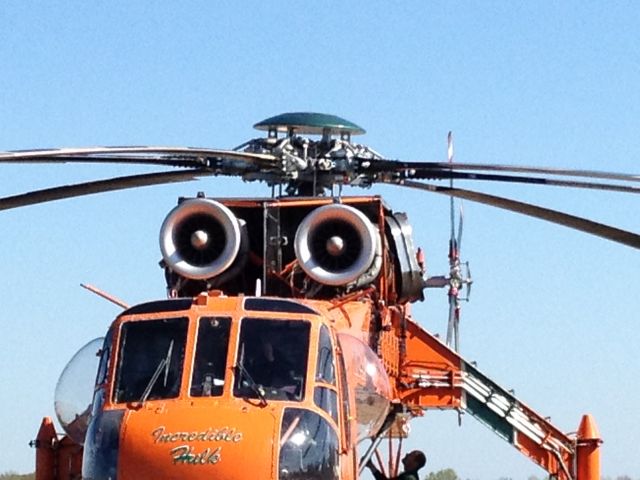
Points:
(200, 239)
(336, 244)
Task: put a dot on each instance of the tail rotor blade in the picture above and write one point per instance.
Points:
(451, 321)
(455, 280)
(456, 328)
(451, 203)
(460, 224)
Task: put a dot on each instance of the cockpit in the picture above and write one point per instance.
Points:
(269, 361)
(260, 368)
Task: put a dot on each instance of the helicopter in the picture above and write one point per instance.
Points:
(286, 342)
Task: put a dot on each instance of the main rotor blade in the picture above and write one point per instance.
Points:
(424, 168)
(577, 223)
(450, 173)
(611, 187)
(88, 188)
(562, 172)
(173, 156)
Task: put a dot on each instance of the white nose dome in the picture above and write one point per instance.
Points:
(372, 386)
(74, 391)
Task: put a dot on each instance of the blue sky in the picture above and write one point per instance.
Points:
(553, 313)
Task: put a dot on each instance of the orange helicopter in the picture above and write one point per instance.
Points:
(286, 346)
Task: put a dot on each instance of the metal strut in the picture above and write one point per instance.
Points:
(436, 377)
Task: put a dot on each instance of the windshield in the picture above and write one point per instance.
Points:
(211, 357)
(272, 359)
(308, 447)
(151, 356)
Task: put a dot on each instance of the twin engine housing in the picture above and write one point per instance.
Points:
(286, 247)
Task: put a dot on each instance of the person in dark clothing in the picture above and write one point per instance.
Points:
(412, 462)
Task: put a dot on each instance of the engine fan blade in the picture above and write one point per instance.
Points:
(88, 188)
(577, 223)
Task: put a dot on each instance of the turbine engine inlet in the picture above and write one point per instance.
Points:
(200, 238)
(337, 244)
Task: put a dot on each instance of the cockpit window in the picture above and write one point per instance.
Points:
(308, 447)
(271, 361)
(325, 369)
(105, 357)
(211, 357)
(151, 358)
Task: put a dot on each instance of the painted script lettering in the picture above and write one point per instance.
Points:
(225, 434)
(185, 454)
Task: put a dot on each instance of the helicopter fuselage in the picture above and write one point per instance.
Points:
(218, 386)
(286, 341)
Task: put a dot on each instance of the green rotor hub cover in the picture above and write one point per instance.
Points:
(309, 123)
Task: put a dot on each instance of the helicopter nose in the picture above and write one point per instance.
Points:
(190, 442)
